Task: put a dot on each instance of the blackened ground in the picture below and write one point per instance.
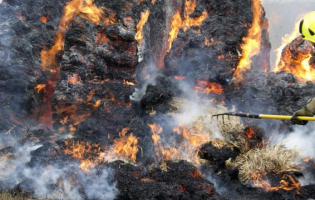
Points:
(177, 180)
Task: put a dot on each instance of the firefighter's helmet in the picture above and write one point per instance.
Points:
(307, 27)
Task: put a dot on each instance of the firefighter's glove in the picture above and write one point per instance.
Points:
(303, 112)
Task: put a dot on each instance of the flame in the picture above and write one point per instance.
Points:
(185, 24)
(251, 46)
(303, 71)
(190, 6)
(185, 148)
(39, 87)
(175, 26)
(85, 9)
(128, 83)
(101, 38)
(85, 153)
(208, 87)
(179, 77)
(307, 160)
(153, 1)
(300, 67)
(249, 132)
(288, 38)
(126, 147)
(44, 19)
(156, 131)
(141, 23)
(288, 183)
(74, 79)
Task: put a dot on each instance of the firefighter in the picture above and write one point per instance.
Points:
(307, 29)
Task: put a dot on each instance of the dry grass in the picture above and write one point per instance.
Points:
(5, 195)
(274, 158)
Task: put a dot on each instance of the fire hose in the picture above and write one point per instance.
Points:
(263, 116)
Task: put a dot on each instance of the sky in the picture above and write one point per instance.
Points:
(282, 16)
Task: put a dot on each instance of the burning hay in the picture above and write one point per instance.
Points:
(261, 161)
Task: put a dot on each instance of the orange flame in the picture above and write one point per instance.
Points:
(288, 183)
(249, 133)
(87, 10)
(288, 38)
(125, 82)
(44, 19)
(307, 160)
(126, 147)
(85, 153)
(303, 71)
(156, 131)
(251, 46)
(183, 149)
(185, 24)
(101, 38)
(175, 26)
(141, 23)
(179, 77)
(74, 79)
(190, 6)
(39, 87)
(208, 87)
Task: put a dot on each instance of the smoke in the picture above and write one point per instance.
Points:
(302, 140)
(139, 92)
(55, 180)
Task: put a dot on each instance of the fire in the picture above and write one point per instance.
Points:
(126, 147)
(178, 22)
(101, 38)
(208, 87)
(85, 153)
(141, 23)
(85, 9)
(251, 46)
(303, 71)
(183, 149)
(279, 64)
(287, 183)
(307, 160)
(190, 6)
(39, 87)
(179, 77)
(44, 19)
(249, 133)
(125, 82)
(153, 1)
(74, 79)
(156, 131)
(175, 26)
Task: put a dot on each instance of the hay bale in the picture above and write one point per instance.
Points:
(274, 158)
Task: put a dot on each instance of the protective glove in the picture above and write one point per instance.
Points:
(303, 112)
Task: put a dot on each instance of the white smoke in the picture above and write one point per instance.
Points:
(302, 140)
(56, 181)
(152, 72)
